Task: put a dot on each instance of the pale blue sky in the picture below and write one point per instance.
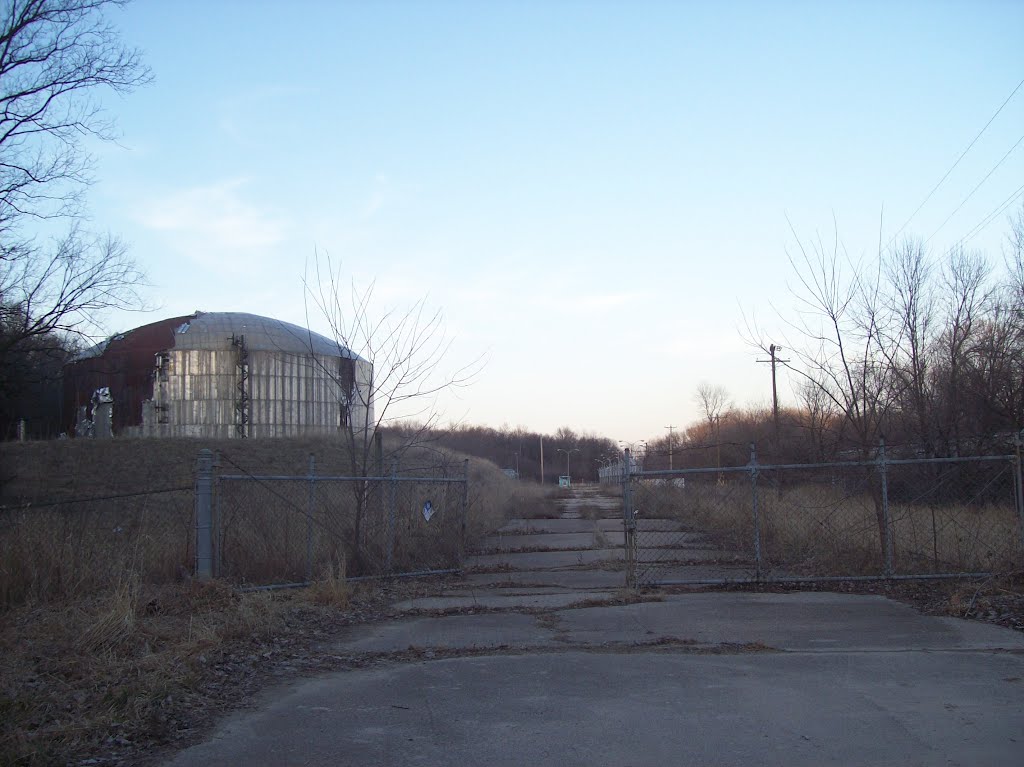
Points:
(593, 193)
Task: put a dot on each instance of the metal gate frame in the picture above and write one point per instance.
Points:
(627, 474)
(210, 515)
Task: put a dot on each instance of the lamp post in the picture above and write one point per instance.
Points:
(567, 454)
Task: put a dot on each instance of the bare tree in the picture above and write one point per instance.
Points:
(397, 376)
(925, 349)
(713, 401)
(66, 289)
(1015, 256)
(818, 415)
(968, 302)
(905, 342)
(56, 57)
(843, 322)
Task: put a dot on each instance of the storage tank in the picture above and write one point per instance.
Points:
(218, 374)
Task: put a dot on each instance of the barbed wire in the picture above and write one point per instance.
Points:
(31, 505)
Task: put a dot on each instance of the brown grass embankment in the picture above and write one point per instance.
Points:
(108, 649)
(78, 516)
(116, 676)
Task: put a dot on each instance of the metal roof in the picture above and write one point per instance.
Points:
(214, 330)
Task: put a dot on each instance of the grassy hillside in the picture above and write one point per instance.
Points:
(78, 515)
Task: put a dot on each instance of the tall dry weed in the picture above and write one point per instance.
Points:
(330, 588)
(58, 541)
(114, 626)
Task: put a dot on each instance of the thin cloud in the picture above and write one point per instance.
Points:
(214, 219)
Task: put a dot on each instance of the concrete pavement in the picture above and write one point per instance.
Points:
(579, 708)
(546, 661)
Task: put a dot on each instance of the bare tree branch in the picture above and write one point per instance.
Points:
(56, 278)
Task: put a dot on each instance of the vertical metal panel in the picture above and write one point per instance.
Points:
(289, 393)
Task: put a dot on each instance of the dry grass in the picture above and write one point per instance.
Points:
(54, 545)
(77, 674)
(115, 675)
(106, 644)
(55, 552)
(330, 589)
(824, 530)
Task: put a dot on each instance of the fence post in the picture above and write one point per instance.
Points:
(204, 515)
(465, 511)
(218, 534)
(628, 521)
(1019, 482)
(392, 510)
(309, 517)
(886, 518)
(755, 512)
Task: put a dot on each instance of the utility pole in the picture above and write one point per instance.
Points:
(670, 430)
(718, 445)
(772, 350)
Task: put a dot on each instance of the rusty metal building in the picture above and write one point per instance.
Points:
(218, 374)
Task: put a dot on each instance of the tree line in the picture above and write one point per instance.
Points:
(519, 449)
(922, 349)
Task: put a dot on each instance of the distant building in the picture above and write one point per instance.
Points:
(217, 374)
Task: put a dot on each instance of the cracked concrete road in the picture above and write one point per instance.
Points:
(555, 666)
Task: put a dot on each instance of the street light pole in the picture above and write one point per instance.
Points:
(567, 454)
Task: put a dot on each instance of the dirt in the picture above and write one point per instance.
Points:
(162, 683)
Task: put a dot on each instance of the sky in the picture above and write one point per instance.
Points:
(597, 195)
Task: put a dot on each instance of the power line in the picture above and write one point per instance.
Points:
(983, 224)
(958, 159)
(964, 201)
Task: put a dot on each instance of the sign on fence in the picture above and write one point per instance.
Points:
(285, 530)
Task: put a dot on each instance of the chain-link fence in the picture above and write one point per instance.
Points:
(50, 549)
(80, 518)
(274, 530)
(876, 518)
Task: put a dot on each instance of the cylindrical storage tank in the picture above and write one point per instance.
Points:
(220, 374)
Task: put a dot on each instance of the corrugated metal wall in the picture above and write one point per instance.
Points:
(288, 394)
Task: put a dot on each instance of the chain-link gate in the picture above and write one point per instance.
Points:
(296, 529)
(880, 518)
